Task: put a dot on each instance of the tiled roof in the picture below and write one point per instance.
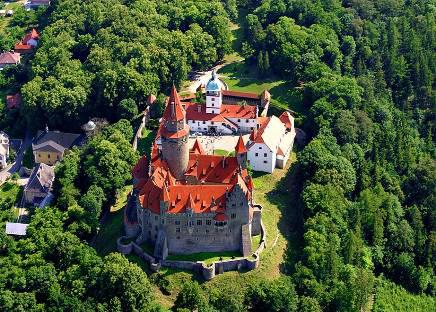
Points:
(54, 139)
(270, 133)
(240, 146)
(287, 119)
(196, 111)
(173, 110)
(140, 170)
(197, 148)
(41, 178)
(240, 94)
(216, 175)
(33, 34)
(13, 101)
(9, 58)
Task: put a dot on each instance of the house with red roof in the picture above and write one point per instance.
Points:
(28, 43)
(13, 101)
(270, 146)
(9, 59)
(217, 116)
(188, 201)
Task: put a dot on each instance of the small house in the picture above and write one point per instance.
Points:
(9, 59)
(39, 185)
(49, 147)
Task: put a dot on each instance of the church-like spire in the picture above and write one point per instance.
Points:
(240, 146)
(174, 110)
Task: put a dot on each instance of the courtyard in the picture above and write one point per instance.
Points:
(218, 145)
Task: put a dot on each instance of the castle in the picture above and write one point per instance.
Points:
(187, 201)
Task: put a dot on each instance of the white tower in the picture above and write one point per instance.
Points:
(214, 97)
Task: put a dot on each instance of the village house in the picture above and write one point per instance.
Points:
(28, 43)
(34, 4)
(9, 59)
(271, 145)
(13, 101)
(4, 149)
(49, 147)
(189, 202)
(39, 184)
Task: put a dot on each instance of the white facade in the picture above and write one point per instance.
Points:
(207, 126)
(214, 100)
(261, 158)
(4, 149)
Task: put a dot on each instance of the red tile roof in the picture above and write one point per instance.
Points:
(240, 146)
(140, 170)
(13, 101)
(22, 48)
(287, 120)
(173, 110)
(240, 94)
(196, 111)
(33, 34)
(216, 175)
(9, 58)
(197, 148)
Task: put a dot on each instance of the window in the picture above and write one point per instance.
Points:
(39, 155)
(48, 156)
(208, 222)
(260, 147)
(252, 128)
(178, 230)
(212, 122)
(213, 104)
(265, 162)
(213, 100)
(233, 215)
(257, 154)
(177, 222)
(239, 120)
(155, 218)
(199, 222)
(264, 154)
(204, 122)
(246, 120)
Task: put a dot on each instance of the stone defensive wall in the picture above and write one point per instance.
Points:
(207, 271)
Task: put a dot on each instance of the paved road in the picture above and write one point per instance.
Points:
(203, 78)
(14, 167)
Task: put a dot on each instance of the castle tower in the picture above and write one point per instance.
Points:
(174, 136)
(241, 153)
(214, 97)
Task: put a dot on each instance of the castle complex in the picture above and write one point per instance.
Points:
(187, 201)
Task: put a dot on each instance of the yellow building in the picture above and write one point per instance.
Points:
(49, 147)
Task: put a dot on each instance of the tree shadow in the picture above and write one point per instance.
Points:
(286, 195)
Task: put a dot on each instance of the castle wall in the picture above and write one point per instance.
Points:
(194, 233)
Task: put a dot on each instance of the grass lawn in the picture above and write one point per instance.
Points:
(122, 198)
(207, 257)
(106, 240)
(145, 143)
(241, 77)
(221, 152)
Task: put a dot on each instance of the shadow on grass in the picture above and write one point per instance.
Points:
(286, 195)
(145, 143)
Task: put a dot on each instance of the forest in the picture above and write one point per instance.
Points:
(368, 172)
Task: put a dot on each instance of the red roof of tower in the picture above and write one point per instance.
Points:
(240, 146)
(174, 110)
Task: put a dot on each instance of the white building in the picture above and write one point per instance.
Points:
(271, 145)
(4, 149)
(214, 116)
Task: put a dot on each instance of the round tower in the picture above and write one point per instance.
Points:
(174, 136)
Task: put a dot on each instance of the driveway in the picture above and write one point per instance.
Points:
(203, 78)
(15, 166)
